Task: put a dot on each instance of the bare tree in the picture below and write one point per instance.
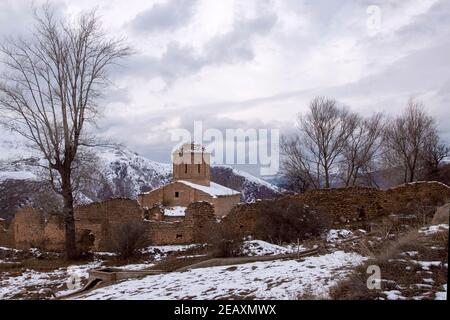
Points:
(325, 130)
(405, 139)
(49, 93)
(361, 147)
(295, 166)
(432, 155)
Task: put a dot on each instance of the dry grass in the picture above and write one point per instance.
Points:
(41, 265)
(398, 270)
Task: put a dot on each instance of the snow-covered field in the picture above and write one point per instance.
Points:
(282, 279)
(62, 281)
(34, 283)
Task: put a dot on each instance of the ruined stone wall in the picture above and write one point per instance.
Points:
(408, 196)
(54, 233)
(194, 228)
(101, 218)
(6, 235)
(346, 203)
(242, 218)
(223, 205)
(33, 228)
(28, 227)
(349, 204)
(164, 233)
(199, 220)
(361, 203)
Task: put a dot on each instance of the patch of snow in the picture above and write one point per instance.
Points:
(31, 281)
(428, 280)
(426, 265)
(214, 189)
(334, 235)
(393, 295)
(433, 229)
(281, 279)
(9, 249)
(105, 254)
(263, 248)
(192, 256)
(176, 211)
(159, 252)
(135, 267)
(410, 253)
(442, 295)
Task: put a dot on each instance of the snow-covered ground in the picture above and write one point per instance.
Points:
(62, 281)
(33, 283)
(282, 279)
(263, 248)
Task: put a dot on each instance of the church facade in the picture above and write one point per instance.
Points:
(191, 183)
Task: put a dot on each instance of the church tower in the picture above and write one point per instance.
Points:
(192, 163)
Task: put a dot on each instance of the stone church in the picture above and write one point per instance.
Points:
(191, 183)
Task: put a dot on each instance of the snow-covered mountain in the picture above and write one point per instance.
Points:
(118, 173)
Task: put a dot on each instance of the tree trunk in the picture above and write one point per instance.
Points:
(327, 179)
(69, 220)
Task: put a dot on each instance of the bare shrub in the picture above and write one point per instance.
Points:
(224, 241)
(128, 238)
(290, 220)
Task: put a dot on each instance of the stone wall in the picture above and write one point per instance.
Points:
(361, 202)
(179, 194)
(242, 218)
(349, 204)
(6, 235)
(194, 228)
(33, 228)
(101, 218)
(223, 205)
(54, 233)
(28, 227)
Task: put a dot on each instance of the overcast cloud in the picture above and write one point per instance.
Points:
(253, 63)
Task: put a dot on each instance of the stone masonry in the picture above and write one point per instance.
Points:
(33, 228)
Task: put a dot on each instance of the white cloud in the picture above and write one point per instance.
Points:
(258, 63)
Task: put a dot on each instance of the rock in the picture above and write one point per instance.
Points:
(442, 214)
(342, 219)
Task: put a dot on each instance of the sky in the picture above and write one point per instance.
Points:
(258, 63)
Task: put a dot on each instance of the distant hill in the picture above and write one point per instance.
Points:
(119, 173)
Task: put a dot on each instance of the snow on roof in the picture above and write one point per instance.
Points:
(214, 189)
(176, 211)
